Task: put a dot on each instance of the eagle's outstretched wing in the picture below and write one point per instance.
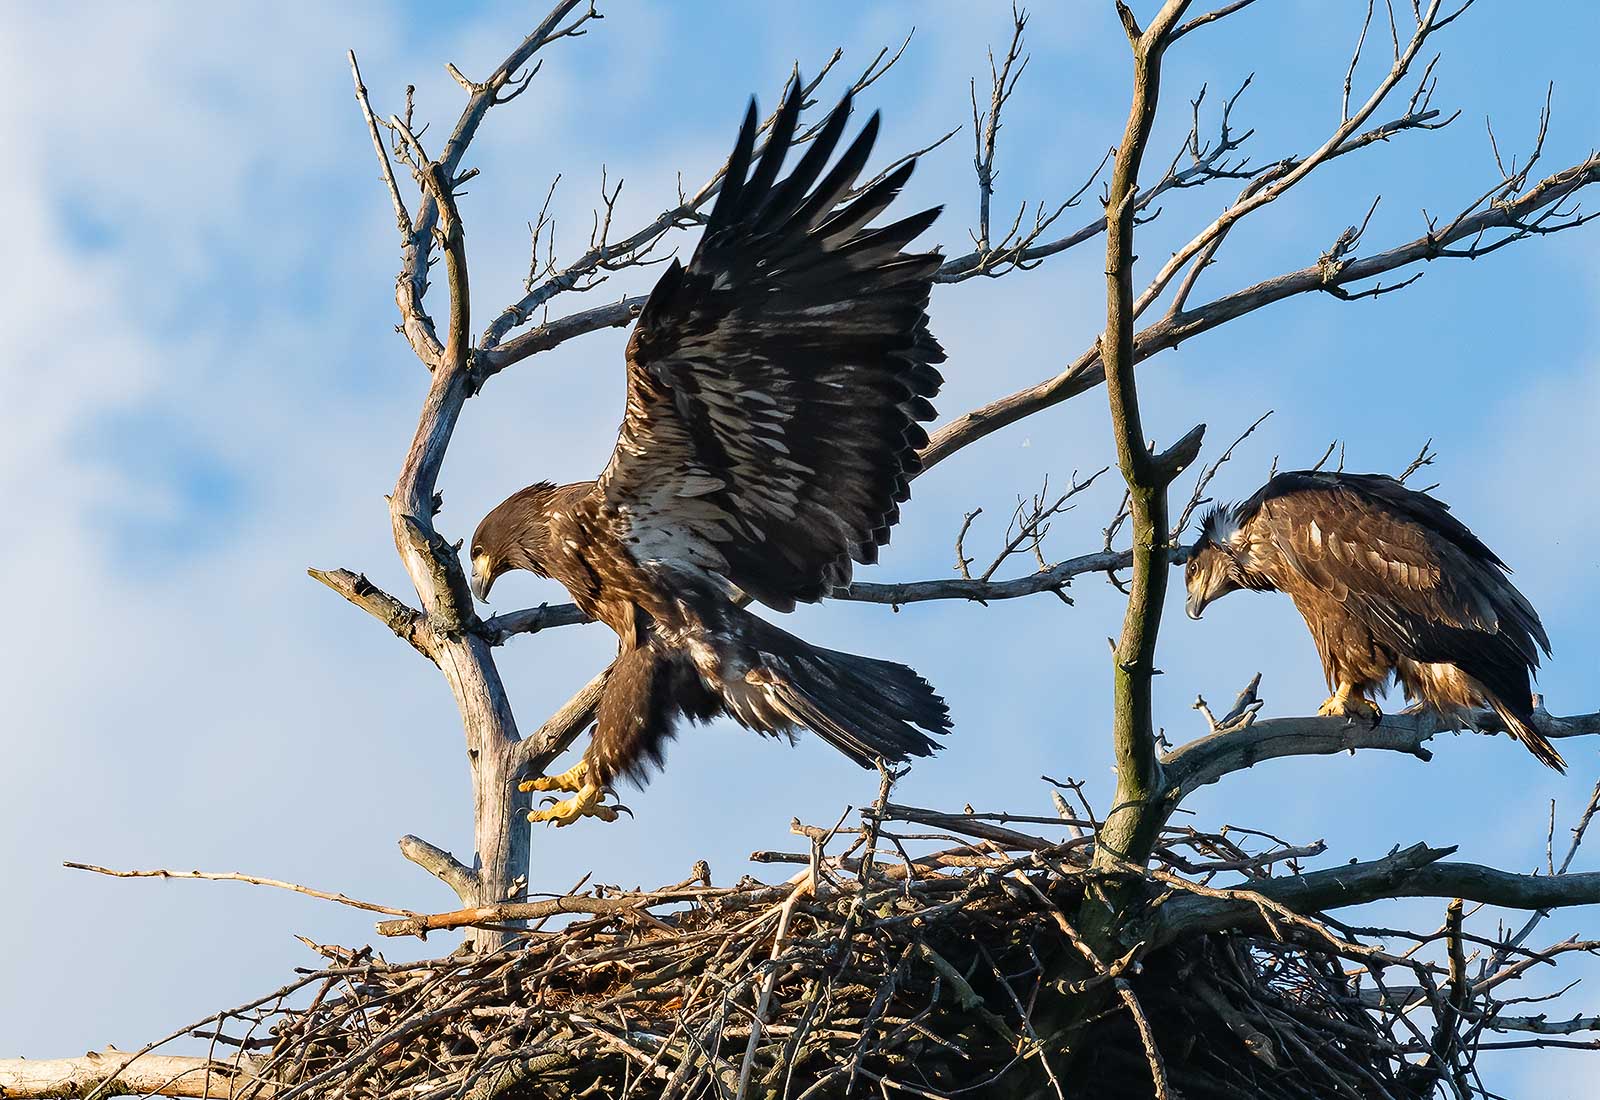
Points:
(776, 383)
(1424, 583)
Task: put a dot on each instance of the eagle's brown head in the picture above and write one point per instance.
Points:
(515, 535)
(1213, 569)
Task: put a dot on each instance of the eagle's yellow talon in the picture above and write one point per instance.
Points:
(585, 803)
(573, 779)
(1347, 703)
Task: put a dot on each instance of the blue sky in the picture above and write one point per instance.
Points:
(204, 396)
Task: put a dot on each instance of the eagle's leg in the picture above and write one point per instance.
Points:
(1348, 702)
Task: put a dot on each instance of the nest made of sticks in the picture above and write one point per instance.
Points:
(878, 971)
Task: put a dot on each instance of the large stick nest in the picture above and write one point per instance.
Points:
(879, 972)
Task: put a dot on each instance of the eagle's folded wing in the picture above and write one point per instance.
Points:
(1400, 556)
(776, 383)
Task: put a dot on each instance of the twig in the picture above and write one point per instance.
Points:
(235, 876)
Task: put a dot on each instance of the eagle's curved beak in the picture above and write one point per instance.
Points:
(1196, 604)
(482, 581)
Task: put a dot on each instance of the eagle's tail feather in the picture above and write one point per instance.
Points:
(864, 707)
(1519, 727)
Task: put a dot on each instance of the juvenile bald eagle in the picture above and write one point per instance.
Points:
(1389, 583)
(775, 390)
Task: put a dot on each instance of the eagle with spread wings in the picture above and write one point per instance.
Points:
(776, 390)
(1389, 583)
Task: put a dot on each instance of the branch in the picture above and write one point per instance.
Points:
(109, 1073)
(1352, 884)
(454, 609)
(235, 876)
(495, 353)
(1209, 17)
(1413, 872)
(1277, 182)
(442, 866)
(502, 628)
(421, 924)
(536, 751)
(1207, 759)
(415, 323)
(1053, 579)
(408, 624)
(413, 283)
(1208, 163)
(1086, 372)
(1130, 829)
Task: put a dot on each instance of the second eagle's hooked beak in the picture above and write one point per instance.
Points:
(1196, 604)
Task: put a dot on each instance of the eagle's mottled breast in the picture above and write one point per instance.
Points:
(590, 554)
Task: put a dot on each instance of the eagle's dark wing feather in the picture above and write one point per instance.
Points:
(1426, 586)
(776, 383)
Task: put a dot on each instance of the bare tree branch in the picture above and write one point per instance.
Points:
(1209, 758)
(1131, 826)
(539, 749)
(113, 1072)
(408, 624)
(502, 628)
(1414, 872)
(1209, 17)
(441, 865)
(635, 250)
(1086, 372)
(235, 876)
(447, 627)
(1277, 182)
(1054, 578)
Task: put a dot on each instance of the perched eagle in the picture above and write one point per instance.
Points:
(1389, 582)
(775, 390)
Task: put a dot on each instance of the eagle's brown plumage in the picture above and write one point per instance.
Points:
(776, 389)
(1389, 583)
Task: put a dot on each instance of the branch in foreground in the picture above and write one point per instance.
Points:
(109, 1073)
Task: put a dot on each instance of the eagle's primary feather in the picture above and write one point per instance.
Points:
(777, 385)
(1390, 582)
